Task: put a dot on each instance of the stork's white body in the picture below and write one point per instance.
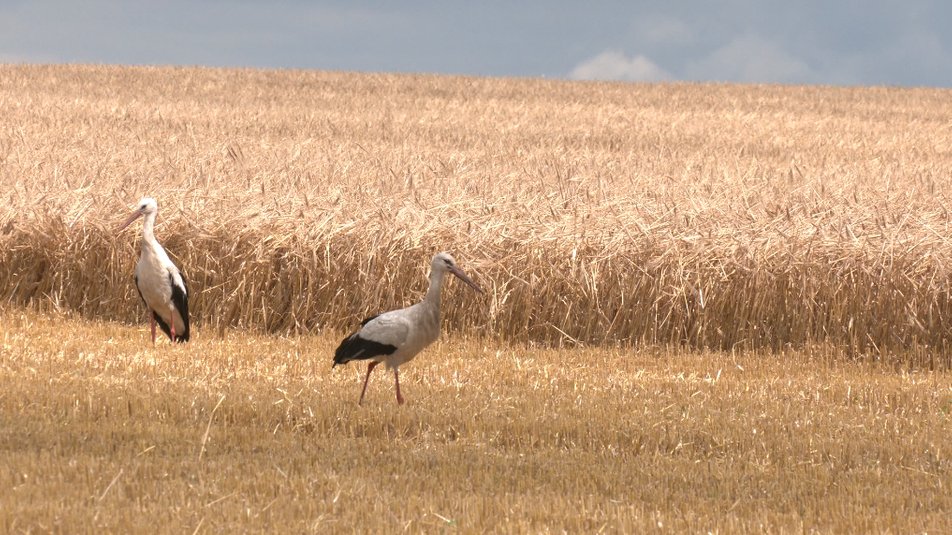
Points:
(396, 337)
(155, 277)
(158, 281)
(409, 329)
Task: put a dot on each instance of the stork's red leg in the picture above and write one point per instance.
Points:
(396, 378)
(172, 325)
(370, 368)
(151, 324)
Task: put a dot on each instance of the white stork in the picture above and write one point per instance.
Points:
(160, 284)
(397, 336)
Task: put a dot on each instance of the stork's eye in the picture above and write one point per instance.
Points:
(142, 207)
(448, 263)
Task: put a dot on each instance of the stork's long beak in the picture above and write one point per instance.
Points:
(465, 278)
(132, 217)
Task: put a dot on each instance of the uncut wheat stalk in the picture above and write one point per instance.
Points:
(709, 216)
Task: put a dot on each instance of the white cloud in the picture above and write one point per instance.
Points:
(614, 65)
(751, 59)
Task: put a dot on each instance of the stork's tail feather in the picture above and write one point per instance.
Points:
(356, 348)
(180, 300)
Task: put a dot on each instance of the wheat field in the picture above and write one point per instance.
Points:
(709, 308)
(710, 216)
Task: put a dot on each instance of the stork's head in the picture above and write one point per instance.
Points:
(444, 262)
(146, 206)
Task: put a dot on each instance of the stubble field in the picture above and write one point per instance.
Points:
(100, 432)
(709, 307)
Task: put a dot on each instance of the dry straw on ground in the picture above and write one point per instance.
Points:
(101, 433)
(707, 215)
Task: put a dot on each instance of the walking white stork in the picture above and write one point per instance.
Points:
(397, 336)
(160, 284)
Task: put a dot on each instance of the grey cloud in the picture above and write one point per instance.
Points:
(750, 59)
(662, 30)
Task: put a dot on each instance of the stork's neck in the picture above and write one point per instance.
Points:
(148, 234)
(432, 298)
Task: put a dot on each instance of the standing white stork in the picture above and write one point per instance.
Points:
(160, 284)
(397, 336)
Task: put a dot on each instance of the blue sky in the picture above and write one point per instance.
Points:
(875, 42)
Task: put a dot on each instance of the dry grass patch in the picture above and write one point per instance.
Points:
(245, 433)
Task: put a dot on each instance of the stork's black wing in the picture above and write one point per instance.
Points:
(357, 347)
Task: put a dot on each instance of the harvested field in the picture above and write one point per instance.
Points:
(711, 216)
(99, 432)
